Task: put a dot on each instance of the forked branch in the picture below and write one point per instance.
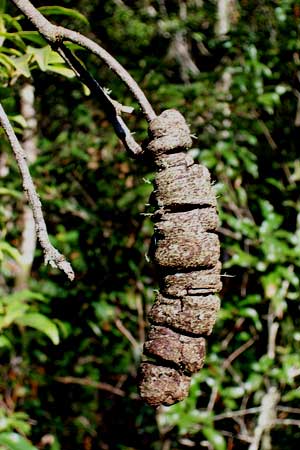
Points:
(51, 254)
(57, 35)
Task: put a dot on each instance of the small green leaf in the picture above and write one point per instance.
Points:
(4, 342)
(21, 65)
(61, 70)
(41, 323)
(215, 438)
(294, 394)
(5, 247)
(234, 391)
(19, 120)
(32, 36)
(21, 296)
(61, 11)
(2, 25)
(41, 56)
(13, 312)
(6, 61)
(13, 441)
(11, 192)
(2, 6)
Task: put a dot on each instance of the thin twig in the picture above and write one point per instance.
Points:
(127, 334)
(273, 330)
(213, 398)
(226, 364)
(268, 135)
(226, 232)
(238, 352)
(57, 35)
(91, 383)
(141, 321)
(231, 335)
(266, 420)
(287, 422)
(51, 254)
(240, 413)
(288, 409)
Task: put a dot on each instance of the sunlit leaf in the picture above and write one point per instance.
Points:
(61, 70)
(41, 323)
(21, 65)
(215, 438)
(14, 441)
(2, 25)
(61, 11)
(5, 342)
(11, 192)
(41, 56)
(12, 312)
(19, 119)
(32, 36)
(8, 249)
(22, 295)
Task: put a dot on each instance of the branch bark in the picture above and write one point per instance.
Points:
(51, 254)
(96, 385)
(56, 35)
(91, 383)
(266, 420)
(113, 111)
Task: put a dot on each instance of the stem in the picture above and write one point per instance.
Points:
(57, 35)
(51, 254)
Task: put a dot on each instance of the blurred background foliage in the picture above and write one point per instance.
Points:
(69, 351)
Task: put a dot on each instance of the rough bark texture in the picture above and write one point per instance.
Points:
(187, 251)
(195, 220)
(162, 385)
(190, 314)
(180, 185)
(192, 283)
(186, 254)
(186, 352)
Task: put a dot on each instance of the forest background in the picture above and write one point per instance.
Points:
(70, 350)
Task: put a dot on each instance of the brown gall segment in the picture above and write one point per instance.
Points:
(192, 283)
(160, 385)
(163, 124)
(193, 221)
(169, 131)
(174, 159)
(191, 314)
(181, 185)
(186, 352)
(187, 251)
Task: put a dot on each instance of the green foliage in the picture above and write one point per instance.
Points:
(242, 106)
(55, 10)
(13, 441)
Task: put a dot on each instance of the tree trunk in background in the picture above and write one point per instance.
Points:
(28, 243)
(225, 10)
(180, 49)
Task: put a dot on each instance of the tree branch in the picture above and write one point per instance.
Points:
(51, 255)
(56, 35)
(266, 420)
(112, 110)
(96, 385)
(91, 383)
